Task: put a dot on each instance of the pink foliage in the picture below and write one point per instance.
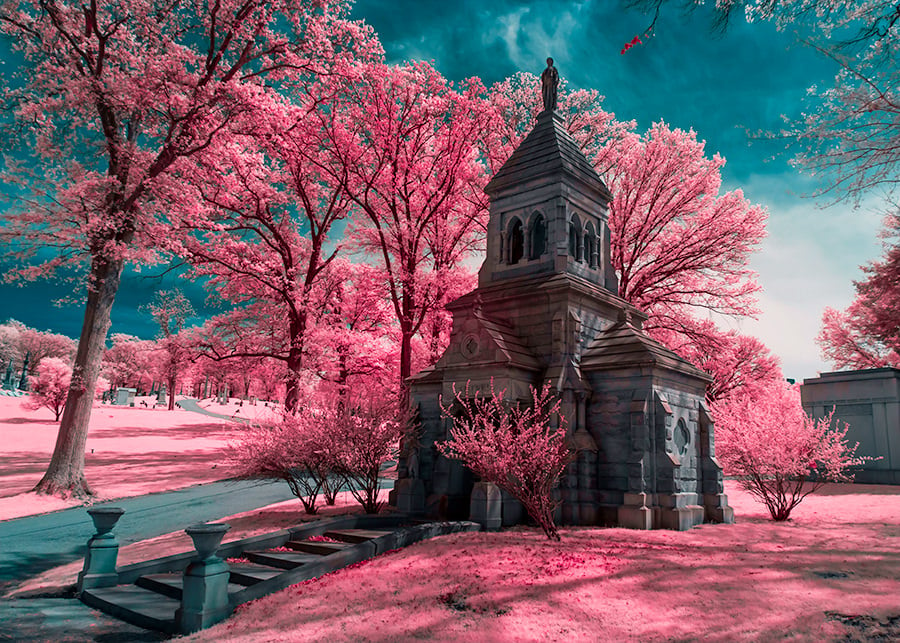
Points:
(360, 441)
(51, 385)
(520, 448)
(404, 144)
(867, 334)
(736, 362)
(779, 454)
(290, 449)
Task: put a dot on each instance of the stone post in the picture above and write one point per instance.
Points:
(103, 550)
(204, 597)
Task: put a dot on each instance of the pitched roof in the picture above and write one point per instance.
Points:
(548, 150)
(622, 345)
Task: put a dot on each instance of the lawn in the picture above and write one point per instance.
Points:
(129, 451)
(832, 573)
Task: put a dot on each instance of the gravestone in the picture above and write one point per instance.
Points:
(546, 310)
(125, 396)
(161, 395)
(869, 402)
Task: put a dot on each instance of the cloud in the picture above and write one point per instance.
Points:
(808, 262)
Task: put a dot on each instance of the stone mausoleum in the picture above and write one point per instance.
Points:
(546, 310)
(869, 402)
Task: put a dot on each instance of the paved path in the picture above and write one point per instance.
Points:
(34, 544)
(189, 404)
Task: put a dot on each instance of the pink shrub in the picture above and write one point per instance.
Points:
(50, 386)
(360, 441)
(779, 454)
(287, 450)
(516, 447)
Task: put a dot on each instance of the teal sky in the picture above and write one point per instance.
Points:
(721, 85)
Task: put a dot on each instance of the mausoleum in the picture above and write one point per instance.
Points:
(868, 401)
(546, 310)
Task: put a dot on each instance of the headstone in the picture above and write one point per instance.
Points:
(161, 395)
(125, 396)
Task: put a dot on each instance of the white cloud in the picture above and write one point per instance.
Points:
(808, 262)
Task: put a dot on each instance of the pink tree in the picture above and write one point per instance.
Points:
(779, 454)
(678, 245)
(867, 334)
(521, 449)
(354, 343)
(171, 309)
(736, 362)
(140, 88)
(49, 387)
(261, 237)
(404, 146)
(128, 361)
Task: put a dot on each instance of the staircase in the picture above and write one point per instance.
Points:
(148, 594)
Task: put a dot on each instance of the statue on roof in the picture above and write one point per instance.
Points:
(549, 84)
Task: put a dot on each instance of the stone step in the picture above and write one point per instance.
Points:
(355, 535)
(250, 573)
(281, 559)
(135, 605)
(170, 584)
(316, 547)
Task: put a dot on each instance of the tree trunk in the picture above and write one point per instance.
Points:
(65, 475)
(171, 392)
(296, 331)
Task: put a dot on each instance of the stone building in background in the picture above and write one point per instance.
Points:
(869, 401)
(546, 310)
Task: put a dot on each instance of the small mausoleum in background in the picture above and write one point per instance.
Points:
(546, 310)
(869, 402)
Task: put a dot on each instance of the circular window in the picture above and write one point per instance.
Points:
(470, 346)
(682, 437)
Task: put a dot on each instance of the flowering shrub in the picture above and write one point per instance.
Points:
(322, 445)
(288, 450)
(359, 442)
(779, 454)
(514, 446)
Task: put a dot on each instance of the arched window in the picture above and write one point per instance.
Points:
(516, 241)
(538, 237)
(575, 238)
(590, 246)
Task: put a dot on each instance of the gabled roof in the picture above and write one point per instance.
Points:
(622, 345)
(548, 150)
(510, 345)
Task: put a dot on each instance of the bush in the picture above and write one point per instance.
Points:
(284, 450)
(361, 441)
(776, 451)
(321, 446)
(514, 446)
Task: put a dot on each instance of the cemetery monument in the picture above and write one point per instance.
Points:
(546, 310)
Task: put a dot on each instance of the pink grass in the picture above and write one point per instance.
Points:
(756, 580)
(130, 451)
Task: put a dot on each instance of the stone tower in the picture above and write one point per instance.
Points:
(546, 310)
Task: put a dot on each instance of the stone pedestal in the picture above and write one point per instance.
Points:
(103, 551)
(486, 506)
(204, 598)
(409, 495)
